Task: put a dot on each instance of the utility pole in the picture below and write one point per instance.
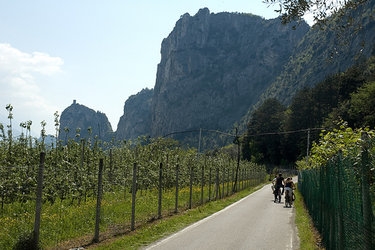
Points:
(236, 141)
(308, 146)
(199, 141)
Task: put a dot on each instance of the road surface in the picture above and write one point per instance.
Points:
(255, 222)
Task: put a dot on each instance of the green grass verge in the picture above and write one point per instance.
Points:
(309, 237)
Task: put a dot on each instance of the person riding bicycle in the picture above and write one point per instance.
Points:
(273, 184)
(289, 186)
(279, 183)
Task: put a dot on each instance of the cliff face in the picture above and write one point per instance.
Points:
(136, 120)
(343, 42)
(215, 66)
(80, 117)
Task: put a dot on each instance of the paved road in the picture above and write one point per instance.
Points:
(255, 222)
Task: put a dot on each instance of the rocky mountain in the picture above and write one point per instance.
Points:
(213, 68)
(136, 119)
(340, 43)
(80, 122)
(216, 68)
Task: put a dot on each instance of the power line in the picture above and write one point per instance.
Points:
(283, 132)
(198, 130)
(243, 135)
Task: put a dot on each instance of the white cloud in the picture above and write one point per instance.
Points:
(21, 77)
(15, 61)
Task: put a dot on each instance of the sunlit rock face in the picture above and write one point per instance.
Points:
(215, 66)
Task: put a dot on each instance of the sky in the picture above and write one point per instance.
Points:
(95, 52)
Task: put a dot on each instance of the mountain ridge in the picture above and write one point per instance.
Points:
(216, 68)
(208, 58)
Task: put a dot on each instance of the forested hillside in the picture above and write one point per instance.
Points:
(326, 50)
(279, 134)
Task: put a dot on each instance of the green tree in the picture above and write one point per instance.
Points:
(262, 142)
(320, 106)
(341, 139)
(362, 105)
(348, 83)
(291, 10)
(300, 116)
(9, 108)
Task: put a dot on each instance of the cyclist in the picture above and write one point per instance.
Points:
(273, 184)
(289, 186)
(279, 183)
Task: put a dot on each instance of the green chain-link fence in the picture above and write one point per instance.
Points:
(340, 198)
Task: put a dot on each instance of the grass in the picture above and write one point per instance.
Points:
(65, 226)
(59, 222)
(309, 237)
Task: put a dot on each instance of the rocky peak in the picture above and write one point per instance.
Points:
(79, 119)
(215, 66)
(136, 120)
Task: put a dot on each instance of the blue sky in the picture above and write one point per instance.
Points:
(96, 52)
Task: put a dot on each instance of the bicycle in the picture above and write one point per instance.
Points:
(288, 198)
(277, 194)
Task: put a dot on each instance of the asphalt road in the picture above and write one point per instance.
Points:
(255, 222)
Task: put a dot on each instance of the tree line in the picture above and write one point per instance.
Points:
(279, 135)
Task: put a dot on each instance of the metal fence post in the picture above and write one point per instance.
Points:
(176, 195)
(228, 181)
(191, 188)
(160, 189)
(39, 193)
(223, 183)
(98, 201)
(340, 219)
(134, 193)
(217, 187)
(366, 201)
(209, 185)
(202, 184)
